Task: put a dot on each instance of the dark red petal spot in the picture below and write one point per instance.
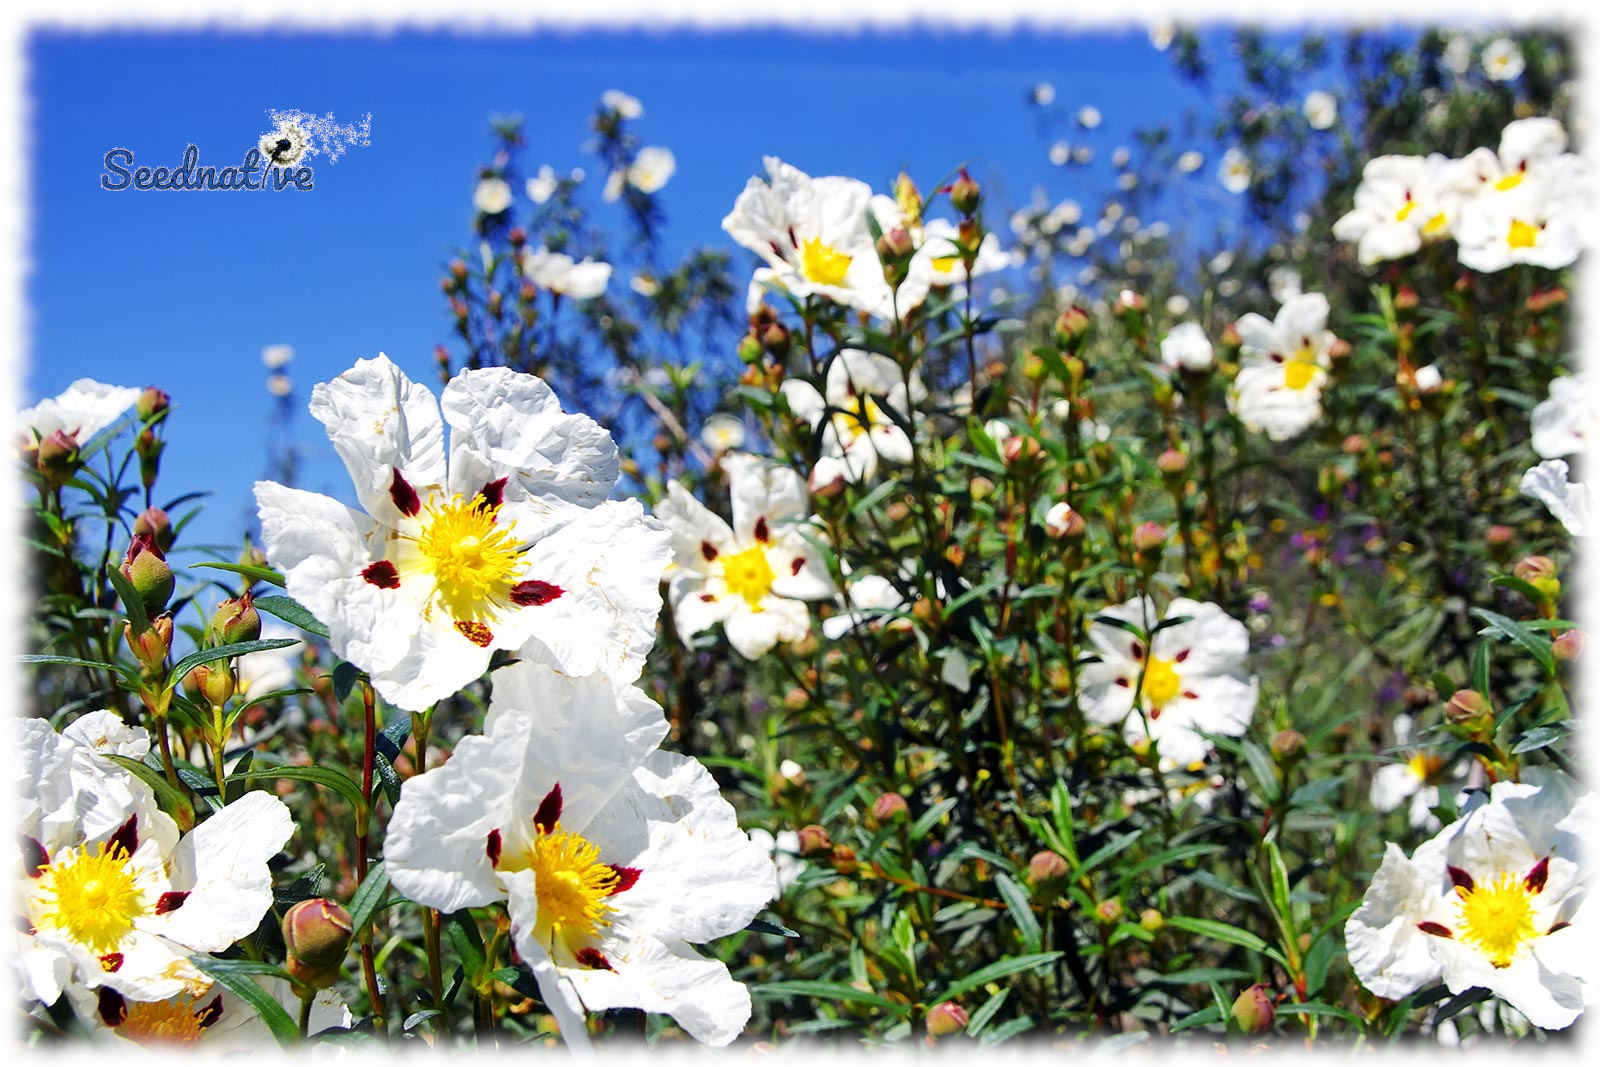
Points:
(113, 1009)
(1275, 357)
(1124, 683)
(34, 857)
(209, 1014)
(1461, 878)
(1191, 694)
(549, 812)
(492, 848)
(476, 632)
(24, 926)
(382, 574)
(126, 839)
(404, 497)
(1558, 926)
(533, 593)
(170, 902)
(797, 564)
(110, 962)
(708, 550)
(761, 531)
(493, 494)
(1181, 656)
(1155, 713)
(1136, 650)
(1435, 929)
(1538, 876)
(593, 957)
(626, 876)
(792, 238)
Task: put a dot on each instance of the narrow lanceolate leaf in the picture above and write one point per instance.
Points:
(260, 574)
(211, 655)
(841, 991)
(1220, 931)
(1020, 909)
(336, 780)
(73, 661)
(1002, 969)
(368, 896)
(293, 612)
(239, 982)
(1532, 643)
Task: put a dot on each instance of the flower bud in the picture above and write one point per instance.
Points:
(1047, 874)
(946, 1019)
(908, 199)
(154, 525)
(1254, 1009)
(1498, 539)
(145, 566)
(1072, 326)
(458, 270)
(235, 621)
(844, 859)
(890, 808)
(1230, 338)
(1020, 449)
(149, 447)
(518, 237)
(814, 840)
(1470, 713)
(1545, 299)
(150, 646)
(215, 683)
(1152, 921)
(1128, 300)
(152, 405)
(1541, 573)
(1108, 911)
(750, 349)
(1064, 523)
(316, 936)
(1173, 465)
(775, 339)
(1340, 350)
(1568, 647)
(1149, 538)
(965, 194)
(1406, 298)
(895, 246)
(1288, 745)
(58, 456)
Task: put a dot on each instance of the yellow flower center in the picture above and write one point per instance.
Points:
(162, 1022)
(1161, 682)
(748, 574)
(1522, 234)
(945, 264)
(472, 561)
(93, 896)
(1405, 210)
(1497, 917)
(822, 264)
(1510, 181)
(571, 884)
(1419, 766)
(1298, 375)
(859, 418)
(1436, 225)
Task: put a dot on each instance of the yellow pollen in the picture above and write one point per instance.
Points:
(1419, 766)
(1522, 234)
(857, 419)
(945, 264)
(162, 1022)
(1496, 917)
(1510, 181)
(1161, 682)
(1405, 210)
(92, 896)
(748, 574)
(1299, 375)
(571, 883)
(822, 264)
(472, 560)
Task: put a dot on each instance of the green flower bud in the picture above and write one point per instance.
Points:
(1254, 1009)
(152, 405)
(1152, 921)
(316, 934)
(965, 194)
(946, 1019)
(150, 647)
(1288, 745)
(146, 567)
(236, 620)
(750, 349)
(1072, 326)
(215, 682)
(58, 456)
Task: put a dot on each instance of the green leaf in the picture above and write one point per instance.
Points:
(1323, 1009)
(1542, 736)
(1204, 1017)
(1514, 631)
(293, 612)
(260, 574)
(73, 661)
(368, 897)
(129, 597)
(336, 780)
(1105, 852)
(828, 991)
(1007, 1030)
(763, 926)
(1021, 909)
(171, 800)
(983, 1015)
(1220, 931)
(238, 981)
(211, 655)
(345, 676)
(926, 821)
(996, 971)
(468, 943)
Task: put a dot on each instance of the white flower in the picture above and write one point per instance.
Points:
(648, 172)
(1283, 367)
(1161, 35)
(751, 577)
(865, 394)
(1567, 501)
(1088, 117)
(509, 543)
(644, 285)
(1058, 519)
(998, 430)
(1186, 347)
(215, 1022)
(1457, 55)
(1187, 676)
(542, 186)
(613, 858)
(1531, 203)
(1234, 172)
(1190, 161)
(785, 852)
(1502, 60)
(1321, 109)
(557, 272)
(873, 598)
(492, 196)
(86, 408)
(1043, 94)
(112, 897)
(275, 356)
(723, 433)
(1177, 305)
(284, 146)
(1495, 901)
(1563, 423)
(1427, 379)
(623, 104)
(1402, 202)
(1283, 283)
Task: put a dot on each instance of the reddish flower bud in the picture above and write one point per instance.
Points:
(965, 194)
(946, 1019)
(814, 840)
(145, 566)
(235, 621)
(1568, 647)
(890, 808)
(152, 404)
(1254, 1009)
(316, 935)
(154, 525)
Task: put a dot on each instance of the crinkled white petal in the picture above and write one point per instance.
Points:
(222, 865)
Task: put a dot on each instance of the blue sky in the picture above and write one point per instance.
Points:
(182, 290)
